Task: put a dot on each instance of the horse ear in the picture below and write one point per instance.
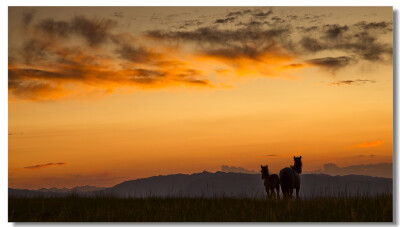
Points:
(261, 166)
(300, 156)
(294, 157)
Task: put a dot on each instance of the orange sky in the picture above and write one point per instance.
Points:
(102, 95)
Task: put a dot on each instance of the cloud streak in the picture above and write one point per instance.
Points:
(45, 165)
(351, 82)
(332, 63)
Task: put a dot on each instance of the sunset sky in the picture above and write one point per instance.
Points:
(100, 95)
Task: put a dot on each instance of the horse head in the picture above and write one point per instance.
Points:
(297, 164)
(264, 172)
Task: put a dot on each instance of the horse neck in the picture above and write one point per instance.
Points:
(297, 168)
(266, 177)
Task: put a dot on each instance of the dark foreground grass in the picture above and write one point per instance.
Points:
(104, 209)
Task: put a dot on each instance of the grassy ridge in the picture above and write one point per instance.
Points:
(104, 209)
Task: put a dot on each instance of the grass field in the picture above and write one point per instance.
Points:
(108, 209)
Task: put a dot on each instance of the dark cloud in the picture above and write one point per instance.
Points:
(30, 73)
(34, 50)
(312, 45)
(360, 44)
(31, 89)
(196, 82)
(252, 24)
(351, 82)
(34, 84)
(332, 63)
(211, 35)
(311, 18)
(239, 13)
(292, 17)
(94, 31)
(361, 39)
(190, 23)
(45, 165)
(263, 15)
(28, 17)
(234, 169)
(278, 20)
(367, 47)
(145, 76)
(54, 28)
(237, 51)
(307, 29)
(231, 46)
(383, 25)
(225, 20)
(134, 54)
(376, 170)
(334, 31)
(118, 14)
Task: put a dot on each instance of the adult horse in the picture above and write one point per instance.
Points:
(290, 178)
(271, 182)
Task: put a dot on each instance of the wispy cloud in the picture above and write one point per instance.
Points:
(279, 155)
(368, 144)
(332, 63)
(350, 82)
(45, 165)
(365, 156)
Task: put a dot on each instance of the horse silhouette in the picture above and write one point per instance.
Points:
(290, 178)
(271, 182)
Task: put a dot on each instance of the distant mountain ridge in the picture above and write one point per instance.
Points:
(78, 189)
(219, 184)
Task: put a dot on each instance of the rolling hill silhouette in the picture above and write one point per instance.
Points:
(219, 184)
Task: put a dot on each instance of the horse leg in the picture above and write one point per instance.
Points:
(267, 193)
(273, 193)
(291, 192)
(285, 192)
(277, 191)
(297, 192)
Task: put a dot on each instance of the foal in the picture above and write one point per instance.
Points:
(271, 182)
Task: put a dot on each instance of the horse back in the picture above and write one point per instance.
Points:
(274, 179)
(287, 178)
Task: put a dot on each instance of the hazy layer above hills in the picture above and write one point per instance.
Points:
(375, 170)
